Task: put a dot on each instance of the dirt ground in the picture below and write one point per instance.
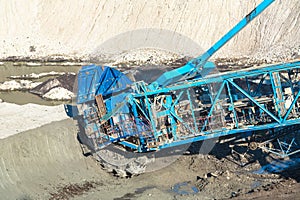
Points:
(47, 163)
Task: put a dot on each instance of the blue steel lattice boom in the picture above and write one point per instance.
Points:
(190, 103)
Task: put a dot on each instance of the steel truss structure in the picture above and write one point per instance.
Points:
(191, 104)
(255, 99)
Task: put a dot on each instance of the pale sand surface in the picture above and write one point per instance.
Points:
(16, 118)
(41, 28)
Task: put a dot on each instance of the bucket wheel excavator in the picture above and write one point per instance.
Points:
(125, 123)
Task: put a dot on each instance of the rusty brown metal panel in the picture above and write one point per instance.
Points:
(100, 105)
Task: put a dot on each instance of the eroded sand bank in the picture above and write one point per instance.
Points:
(34, 162)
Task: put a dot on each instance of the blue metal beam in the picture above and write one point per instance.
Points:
(226, 132)
(254, 101)
(291, 106)
(217, 78)
(193, 66)
(213, 105)
(232, 105)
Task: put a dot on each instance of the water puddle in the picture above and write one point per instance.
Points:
(278, 166)
(8, 69)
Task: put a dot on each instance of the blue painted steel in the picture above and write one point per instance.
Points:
(144, 126)
(94, 80)
(188, 104)
(226, 78)
(217, 78)
(254, 101)
(291, 106)
(200, 65)
(232, 108)
(72, 111)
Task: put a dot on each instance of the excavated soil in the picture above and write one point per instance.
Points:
(47, 163)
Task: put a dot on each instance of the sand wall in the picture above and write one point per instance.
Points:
(33, 163)
(39, 28)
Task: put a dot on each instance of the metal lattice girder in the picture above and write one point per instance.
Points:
(229, 88)
(189, 103)
(214, 78)
(283, 146)
(177, 114)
